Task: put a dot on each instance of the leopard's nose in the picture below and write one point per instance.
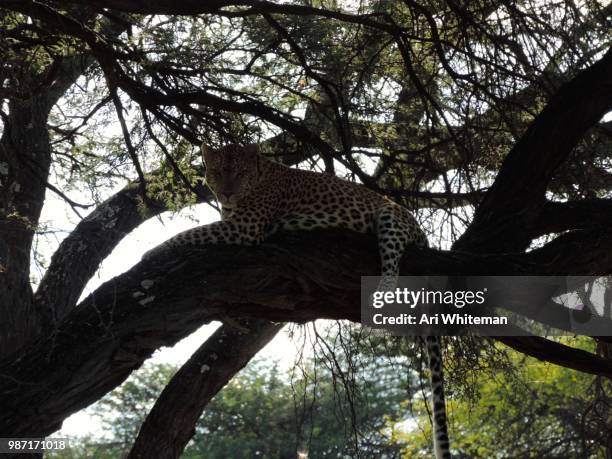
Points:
(227, 195)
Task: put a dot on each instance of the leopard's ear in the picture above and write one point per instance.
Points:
(253, 151)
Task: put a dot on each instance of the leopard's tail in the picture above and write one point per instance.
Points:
(440, 425)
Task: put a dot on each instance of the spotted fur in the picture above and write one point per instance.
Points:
(259, 197)
(440, 428)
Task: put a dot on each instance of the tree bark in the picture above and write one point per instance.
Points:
(25, 158)
(171, 423)
(515, 199)
(294, 277)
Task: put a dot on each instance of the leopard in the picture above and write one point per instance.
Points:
(259, 197)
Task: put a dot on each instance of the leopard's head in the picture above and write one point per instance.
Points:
(231, 172)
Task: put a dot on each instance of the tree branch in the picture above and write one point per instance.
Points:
(193, 7)
(557, 217)
(148, 96)
(25, 146)
(80, 254)
(294, 277)
(171, 423)
(505, 217)
(557, 353)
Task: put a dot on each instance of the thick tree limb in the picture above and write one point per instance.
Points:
(557, 217)
(25, 149)
(171, 423)
(515, 199)
(80, 254)
(294, 277)
(557, 353)
(25, 155)
(25, 158)
(194, 7)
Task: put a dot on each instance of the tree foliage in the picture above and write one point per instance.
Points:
(520, 407)
(530, 409)
(269, 413)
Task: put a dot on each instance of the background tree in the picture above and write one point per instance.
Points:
(486, 119)
(508, 405)
(265, 412)
(527, 408)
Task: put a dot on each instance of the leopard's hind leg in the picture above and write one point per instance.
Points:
(396, 228)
